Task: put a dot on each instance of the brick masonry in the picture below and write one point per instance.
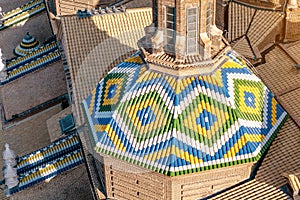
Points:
(292, 24)
(128, 181)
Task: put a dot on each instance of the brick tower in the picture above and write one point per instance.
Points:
(183, 29)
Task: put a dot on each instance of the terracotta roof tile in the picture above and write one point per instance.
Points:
(283, 156)
(239, 20)
(291, 103)
(263, 23)
(294, 48)
(252, 190)
(249, 27)
(278, 71)
(243, 47)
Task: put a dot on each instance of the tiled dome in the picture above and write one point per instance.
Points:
(27, 45)
(183, 124)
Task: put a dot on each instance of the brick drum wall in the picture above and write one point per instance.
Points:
(33, 89)
(127, 181)
(198, 185)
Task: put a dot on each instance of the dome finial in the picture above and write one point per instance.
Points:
(28, 44)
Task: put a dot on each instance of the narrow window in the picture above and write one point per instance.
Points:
(208, 18)
(170, 29)
(155, 15)
(192, 22)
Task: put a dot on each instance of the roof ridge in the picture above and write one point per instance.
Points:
(34, 65)
(48, 153)
(61, 155)
(23, 16)
(42, 50)
(255, 7)
(21, 9)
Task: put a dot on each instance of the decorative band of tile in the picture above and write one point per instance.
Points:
(49, 170)
(21, 9)
(61, 155)
(45, 154)
(33, 66)
(23, 16)
(20, 61)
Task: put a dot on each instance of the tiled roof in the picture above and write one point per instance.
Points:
(284, 154)
(263, 23)
(294, 48)
(282, 157)
(22, 13)
(278, 71)
(239, 18)
(20, 66)
(59, 156)
(285, 78)
(243, 47)
(253, 190)
(291, 103)
(252, 22)
(94, 45)
(183, 124)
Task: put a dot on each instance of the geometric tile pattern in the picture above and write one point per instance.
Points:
(22, 13)
(178, 125)
(61, 155)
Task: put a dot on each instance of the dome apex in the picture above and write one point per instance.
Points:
(27, 45)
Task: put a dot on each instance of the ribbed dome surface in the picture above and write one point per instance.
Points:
(27, 45)
(178, 125)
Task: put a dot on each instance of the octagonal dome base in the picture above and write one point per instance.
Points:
(183, 124)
